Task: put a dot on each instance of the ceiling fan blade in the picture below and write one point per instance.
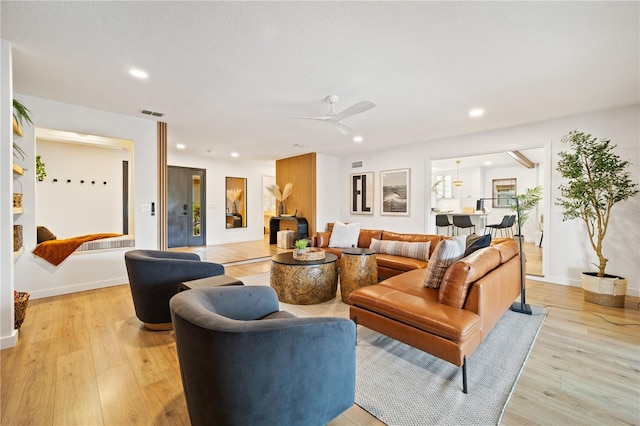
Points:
(353, 110)
(325, 118)
(342, 128)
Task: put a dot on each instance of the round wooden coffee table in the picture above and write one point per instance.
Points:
(358, 268)
(304, 282)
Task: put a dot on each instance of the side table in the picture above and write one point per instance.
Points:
(358, 268)
(304, 282)
(215, 281)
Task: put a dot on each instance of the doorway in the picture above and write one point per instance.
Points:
(477, 176)
(185, 216)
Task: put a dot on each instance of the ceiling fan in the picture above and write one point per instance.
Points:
(336, 118)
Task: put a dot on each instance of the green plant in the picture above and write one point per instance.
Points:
(18, 151)
(301, 244)
(21, 113)
(595, 180)
(40, 169)
(527, 202)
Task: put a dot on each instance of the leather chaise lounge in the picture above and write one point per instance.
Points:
(449, 322)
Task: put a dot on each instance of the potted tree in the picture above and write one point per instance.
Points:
(595, 179)
(526, 203)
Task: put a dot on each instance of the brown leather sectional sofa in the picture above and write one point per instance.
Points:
(388, 265)
(449, 322)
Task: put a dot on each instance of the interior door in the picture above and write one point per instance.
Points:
(185, 217)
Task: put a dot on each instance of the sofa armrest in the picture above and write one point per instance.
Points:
(322, 239)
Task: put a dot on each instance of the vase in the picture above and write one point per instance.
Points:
(280, 208)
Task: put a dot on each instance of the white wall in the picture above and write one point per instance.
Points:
(69, 209)
(217, 171)
(93, 269)
(567, 251)
(327, 182)
(8, 335)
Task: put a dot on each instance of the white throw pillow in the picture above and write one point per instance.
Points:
(447, 253)
(344, 235)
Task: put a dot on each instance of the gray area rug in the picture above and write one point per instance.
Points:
(401, 385)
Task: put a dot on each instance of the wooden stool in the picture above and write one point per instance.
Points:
(358, 268)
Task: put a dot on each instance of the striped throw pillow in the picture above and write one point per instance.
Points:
(417, 250)
(447, 253)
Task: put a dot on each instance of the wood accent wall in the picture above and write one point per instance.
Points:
(301, 171)
(161, 207)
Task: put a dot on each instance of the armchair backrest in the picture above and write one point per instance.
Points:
(244, 362)
(155, 276)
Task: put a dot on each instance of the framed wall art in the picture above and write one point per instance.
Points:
(394, 192)
(503, 192)
(362, 188)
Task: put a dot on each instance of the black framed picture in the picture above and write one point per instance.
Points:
(394, 191)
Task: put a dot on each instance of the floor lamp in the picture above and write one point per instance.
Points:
(521, 306)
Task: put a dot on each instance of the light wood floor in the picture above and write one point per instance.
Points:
(84, 359)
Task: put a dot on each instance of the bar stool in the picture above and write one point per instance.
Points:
(463, 221)
(504, 224)
(442, 221)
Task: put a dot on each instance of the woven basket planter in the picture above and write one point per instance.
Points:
(17, 199)
(21, 303)
(606, 291)
(17, 237)
(309, 254)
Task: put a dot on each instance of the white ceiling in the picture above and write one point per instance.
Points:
(226, 74)
(486, 161)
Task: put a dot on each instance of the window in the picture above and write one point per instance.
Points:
(442, 186)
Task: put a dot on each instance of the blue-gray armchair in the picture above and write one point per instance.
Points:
(155, 277)
(244, 362)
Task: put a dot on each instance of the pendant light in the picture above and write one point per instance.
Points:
(457, 182)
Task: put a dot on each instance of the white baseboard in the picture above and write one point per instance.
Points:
(9, 341)
(39, 294)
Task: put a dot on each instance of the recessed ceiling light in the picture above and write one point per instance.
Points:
(138, 73)
(235, 154)
(476, 112)
(487, 163)
(180, 146)
(357, 139)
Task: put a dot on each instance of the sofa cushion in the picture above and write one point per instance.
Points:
(417, 250)
(459, 276)
(399, 263)
(344, 235)
(322, 239)
(508, 248)
(364, 239)
(446, 254)
(420, 312)
(411, 282)
(475, 242)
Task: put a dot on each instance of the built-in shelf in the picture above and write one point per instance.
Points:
(16, 254)
(18, 210)
(17, 170)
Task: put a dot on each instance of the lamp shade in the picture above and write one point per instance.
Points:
(457, 182)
